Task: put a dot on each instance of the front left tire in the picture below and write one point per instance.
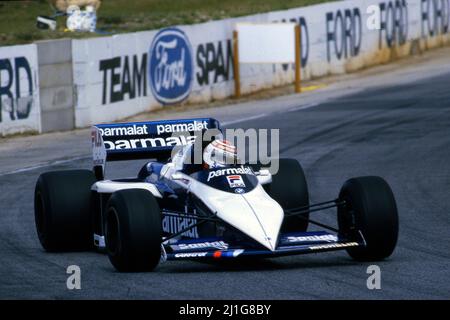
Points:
(370, 208)
(290, 190)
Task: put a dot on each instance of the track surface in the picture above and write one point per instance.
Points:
(401, 133)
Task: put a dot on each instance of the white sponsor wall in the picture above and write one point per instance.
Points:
(19, 90)
(120, 76)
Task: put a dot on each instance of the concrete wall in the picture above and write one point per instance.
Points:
(56, 85)
(123, 75)
(63, 84)
(19, 90)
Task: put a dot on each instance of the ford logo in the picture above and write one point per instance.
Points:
(170, 66)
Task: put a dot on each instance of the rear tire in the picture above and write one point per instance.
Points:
(133, 230)
(370, 208)
(62, 210)
(290, 190)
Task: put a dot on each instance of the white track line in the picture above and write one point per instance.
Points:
(226, 123)
(43, 165)
(306, 106)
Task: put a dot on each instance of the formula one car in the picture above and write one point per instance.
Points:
(177, 209)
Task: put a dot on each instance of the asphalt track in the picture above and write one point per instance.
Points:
(401, 133)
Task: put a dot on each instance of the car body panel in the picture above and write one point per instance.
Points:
(235, 201)
(254, 213)
(218, 248)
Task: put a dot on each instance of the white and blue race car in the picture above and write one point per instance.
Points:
(173, 211)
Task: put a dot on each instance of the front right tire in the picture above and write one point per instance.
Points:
(133, 230)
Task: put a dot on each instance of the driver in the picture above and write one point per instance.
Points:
(215, 154)
(218, 154)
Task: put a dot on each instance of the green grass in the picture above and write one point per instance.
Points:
(18, 18)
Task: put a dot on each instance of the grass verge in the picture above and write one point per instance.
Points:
(18, 18)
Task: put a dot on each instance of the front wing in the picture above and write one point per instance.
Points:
(289, 244)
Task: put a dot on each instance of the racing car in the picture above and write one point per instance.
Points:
(210, 209)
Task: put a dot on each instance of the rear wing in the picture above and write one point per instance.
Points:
(144, 140)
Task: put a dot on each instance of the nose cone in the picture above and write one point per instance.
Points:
(269, 215)
(254, 213)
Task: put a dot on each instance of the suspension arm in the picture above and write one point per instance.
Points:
(300, 211)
